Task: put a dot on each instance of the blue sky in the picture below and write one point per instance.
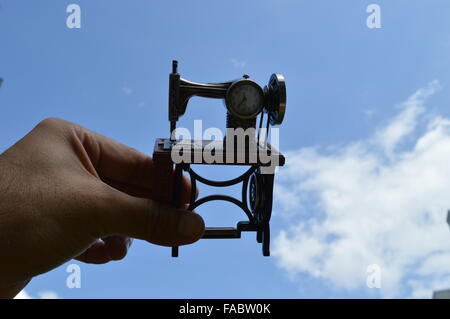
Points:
(344, 80)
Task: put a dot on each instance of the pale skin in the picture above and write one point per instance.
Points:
(69, 193)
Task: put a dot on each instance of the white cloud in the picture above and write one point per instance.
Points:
(238, 63)
(405, 122)
(373, 201)
(48, 295)
(23, 295)
(42, 295)
(127, 90)
(141, 104)
(369, 113)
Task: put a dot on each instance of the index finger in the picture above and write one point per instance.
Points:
(123, 167)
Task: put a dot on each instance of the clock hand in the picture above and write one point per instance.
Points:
(243, 101)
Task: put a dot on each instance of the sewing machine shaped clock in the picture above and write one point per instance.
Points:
(244, 100)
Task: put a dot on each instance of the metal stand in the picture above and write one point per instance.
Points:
(258, 186)
(255, 200)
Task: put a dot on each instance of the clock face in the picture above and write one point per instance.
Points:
(245, 99)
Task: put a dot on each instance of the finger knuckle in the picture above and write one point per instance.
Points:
(51, 123)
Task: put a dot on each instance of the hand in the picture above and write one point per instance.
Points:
(66, 192)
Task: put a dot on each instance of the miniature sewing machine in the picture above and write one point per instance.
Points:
(244, 101)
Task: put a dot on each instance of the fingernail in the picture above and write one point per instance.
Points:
(191, 226)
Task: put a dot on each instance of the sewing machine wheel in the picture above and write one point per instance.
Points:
(256, 197)
(275, 93)
(260, 200)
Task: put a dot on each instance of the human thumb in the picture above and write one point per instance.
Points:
(150, 220)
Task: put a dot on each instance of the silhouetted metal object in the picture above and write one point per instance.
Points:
(448, 217)
(244, 100)
(441, 294)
